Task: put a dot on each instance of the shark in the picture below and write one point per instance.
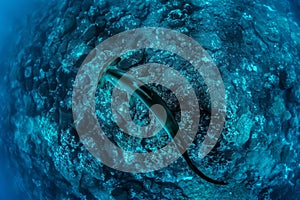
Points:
(149, 97)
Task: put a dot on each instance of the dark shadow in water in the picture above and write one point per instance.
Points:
(295, 6)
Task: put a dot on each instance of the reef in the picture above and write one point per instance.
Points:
(256, 47)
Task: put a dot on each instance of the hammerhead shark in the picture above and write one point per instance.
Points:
(149, 97)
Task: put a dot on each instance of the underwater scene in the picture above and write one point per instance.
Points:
(150, 99)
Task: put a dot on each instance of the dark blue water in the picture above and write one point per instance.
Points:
(11, 15)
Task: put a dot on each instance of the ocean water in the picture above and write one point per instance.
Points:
(11, 13)
(207, 106)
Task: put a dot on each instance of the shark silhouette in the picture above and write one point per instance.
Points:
(149, 98)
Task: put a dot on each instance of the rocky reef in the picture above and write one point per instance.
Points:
(256, 47)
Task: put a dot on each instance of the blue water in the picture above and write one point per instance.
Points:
(11, 14)
(254, 44)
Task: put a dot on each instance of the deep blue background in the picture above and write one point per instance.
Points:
(11, 14)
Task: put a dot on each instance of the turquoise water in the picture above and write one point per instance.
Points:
(254, 47)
